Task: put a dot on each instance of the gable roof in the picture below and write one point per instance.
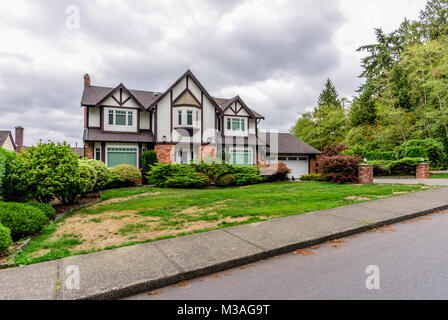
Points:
(287, 143)
(225, 105)
(4, 134)
(93, 95)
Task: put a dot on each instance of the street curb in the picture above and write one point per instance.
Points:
(153, 284)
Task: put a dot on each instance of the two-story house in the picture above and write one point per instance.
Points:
(182, 124)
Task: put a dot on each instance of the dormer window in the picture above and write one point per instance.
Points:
(121, 118)
(236, 124)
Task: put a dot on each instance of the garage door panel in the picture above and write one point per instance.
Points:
(298, 165)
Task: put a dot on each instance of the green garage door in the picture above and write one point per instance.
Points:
(116, 156)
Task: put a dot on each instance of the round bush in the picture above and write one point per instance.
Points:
(127, 172)
(45, 208)
(88, 176)
(5, 238)
(226, 180)
(23, 220)
(102, 173)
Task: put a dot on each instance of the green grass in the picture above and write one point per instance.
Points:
(177, 212)
(439, 176)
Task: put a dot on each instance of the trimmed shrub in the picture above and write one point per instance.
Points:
(434, 149)
(313, 177)
(88, 176)
(102, 173)
(47, 171)
(127, 172)
(116, 181)
(275, 172)
(149, 158)
(45, 208)
(416, 152)
(246, 175)
(5, 238)
(188, 179)
(176, 176)
(23, 220)
(405, 166)
(226, 180)
(212, 170)
(340, 169)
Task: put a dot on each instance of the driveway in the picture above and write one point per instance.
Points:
(428, 182)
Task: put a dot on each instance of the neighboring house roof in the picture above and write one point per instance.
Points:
(78, 151)
(287, 143)
(93, 95)
(4, 134)
(94, 134)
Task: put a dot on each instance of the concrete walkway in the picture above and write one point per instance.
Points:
(132, 270)
(428, 182)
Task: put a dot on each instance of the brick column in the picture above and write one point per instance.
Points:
(208, 151)
(88, 150)
(165, 153)
(365, 174)
(313, 167)
(422, 171)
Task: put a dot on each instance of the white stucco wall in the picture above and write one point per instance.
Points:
(94, 117)
(144, 120)
(163, 119)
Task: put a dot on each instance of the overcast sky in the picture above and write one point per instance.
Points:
(275, 54)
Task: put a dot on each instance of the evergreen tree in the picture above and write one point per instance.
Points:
(329, 95)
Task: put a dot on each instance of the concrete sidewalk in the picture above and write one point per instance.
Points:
(132, 270)
(428, 182)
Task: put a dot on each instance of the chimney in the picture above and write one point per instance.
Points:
(19, 139)
(86, 80)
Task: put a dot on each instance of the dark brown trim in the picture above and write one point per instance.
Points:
(102, 119)
(120, 87)
(187, 105)
(202, 118)
(140, 153)
(156, 120)
(171, 115)
(138, 121)
(196, 81)
(185, 91)
(103, 151)
(124, 108)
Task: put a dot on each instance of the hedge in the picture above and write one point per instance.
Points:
(88, 176)
(435, 151)
(23, 220)
(5, 238)
(47, 209)
(149, 158)
(127, 172)
(102, 173)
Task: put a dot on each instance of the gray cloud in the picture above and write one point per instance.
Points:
(234, 47)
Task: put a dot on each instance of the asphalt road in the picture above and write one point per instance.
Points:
(412, 258)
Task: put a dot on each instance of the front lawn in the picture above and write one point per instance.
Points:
(137, 215)
(439, 175)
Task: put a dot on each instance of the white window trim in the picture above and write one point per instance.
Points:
(96, 150)
(195, 117)
(238, 132)
(126, 114)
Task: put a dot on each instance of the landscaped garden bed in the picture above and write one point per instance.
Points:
(136, 215)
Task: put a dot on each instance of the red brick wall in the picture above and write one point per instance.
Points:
(365, 174)
(313, 167)
(423, 171)
(89, 150)
(165, 153)
(208, 151)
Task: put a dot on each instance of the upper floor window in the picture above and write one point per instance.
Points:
(189, 118)
(179, 117)
(121, 118)
(236, 124)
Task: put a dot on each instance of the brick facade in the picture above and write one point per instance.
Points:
(313, 165)
(165, 153)
(422, 171)
(208, 151)
(365, 174)
(89, 150)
